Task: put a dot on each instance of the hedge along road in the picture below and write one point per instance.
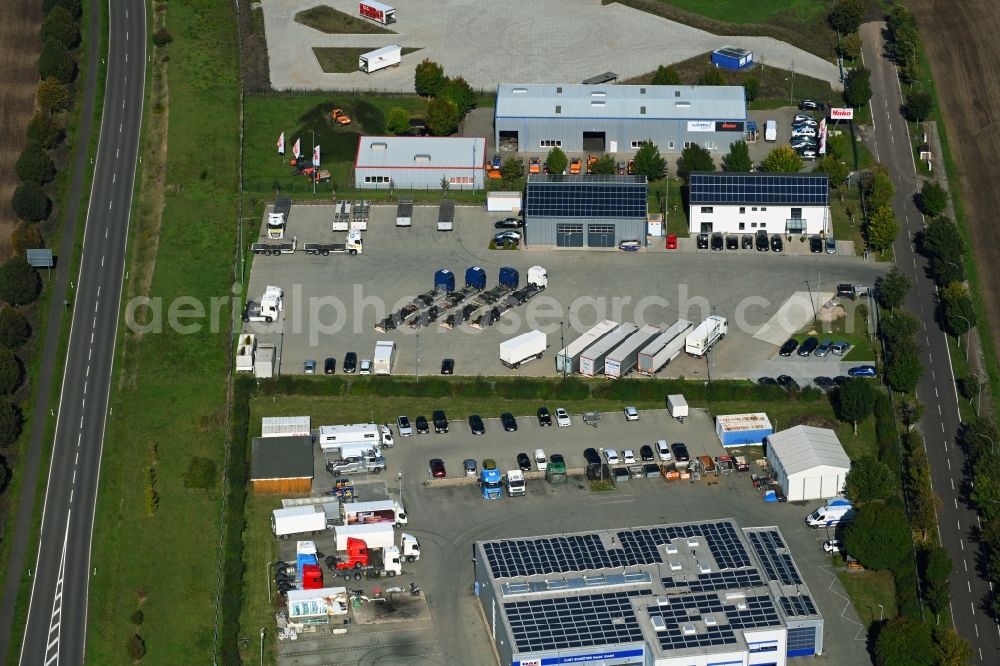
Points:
(57, 613)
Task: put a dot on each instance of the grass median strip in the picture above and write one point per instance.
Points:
(333, 22)
(344, 60)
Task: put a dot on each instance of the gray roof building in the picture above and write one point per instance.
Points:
(584, 211)
(282, 458)
(419, 162)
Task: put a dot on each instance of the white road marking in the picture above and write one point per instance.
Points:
(109, 204)
(961, 544)
(116, 153)
(120, 126)
(965, 563)
(114, 177)
(952, 483)
(73, 482)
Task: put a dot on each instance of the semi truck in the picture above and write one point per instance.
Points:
(620, 362)
(341, 216)
(663, 348)
(308, 575)
(490, 482)
(353, 246)
(365, 513)
(385, 354)
(268, 309)
(701, 340)
(302, 519)
(378, 536)
(592, 360)
(513, 480)
(568, 359)
(350, 438)
(538, 280)
(387, 56)
(275, 249)
(377, 12)
(522, 348)
(278, 218)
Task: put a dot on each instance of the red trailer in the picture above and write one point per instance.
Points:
(376, 11)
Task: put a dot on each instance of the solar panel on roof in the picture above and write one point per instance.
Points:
(800, 604)
(778, 566)
(569, 622)
(804, 189)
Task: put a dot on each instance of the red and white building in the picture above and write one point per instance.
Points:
(420, 163)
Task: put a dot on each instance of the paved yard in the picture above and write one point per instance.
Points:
(507, 40)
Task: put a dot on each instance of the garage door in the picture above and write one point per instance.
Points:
(801, 641)
(812, 487)
(569, 235)
(601, 235)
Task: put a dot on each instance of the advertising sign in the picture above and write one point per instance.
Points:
(700, 126)
(728, 126)
(581, 658)
(822, 136)
(841, 114)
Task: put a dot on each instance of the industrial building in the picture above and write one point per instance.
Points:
(809, 463)
(732, 57)
(584, 211)
(419, 163)
(668, 595)
(617, 119)
(282, 464)
(778, 203)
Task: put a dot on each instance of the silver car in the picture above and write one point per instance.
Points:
(404, 427)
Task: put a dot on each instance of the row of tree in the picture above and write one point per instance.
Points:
(979, 440)
(880, 227)
(667, 75)
(942, 243)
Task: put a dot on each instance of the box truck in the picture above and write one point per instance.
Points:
(350, 439)
(385, 354)
(387, 56)
(701, 340)
(592, 360)
(568, 359)
(299, 520)
(663, 348)
(677, 406)
(522, 348)
(835, 511)
(621, 361)
(377, 12)
(366, 513)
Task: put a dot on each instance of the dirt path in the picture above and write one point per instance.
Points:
(19, 20)
(961, 44)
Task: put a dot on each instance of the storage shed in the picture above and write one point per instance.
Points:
(742, 429)
(282, 465)
(809, 463)
(732, 57)
(285, 426)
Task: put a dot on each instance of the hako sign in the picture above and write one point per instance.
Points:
(841, 114)
(728, 126)
(701, 125)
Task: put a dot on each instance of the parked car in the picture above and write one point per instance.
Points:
(448, 366)
(611, 455)
(562, 418)
(716, 241)
(810, 105)
(386, 433)
(350, 362)
(831, 245)
(761, 240)
(505, 237)
(423, 427)
(747, 243)
(365, 367)
(470, 466)
(630, 245)
(767, 381)
(702, 241)
(557, 459)
(824, 383)
(591, 456)
(863, 371)
(476, 425)
(509, 422)
(646, 453)
(329, 365)
(839, 348)
(671, 241)
(823, 348)
(663, 451)
(801, 117)
(440, 421)
(840, 380)
(803, 131)
(628, 456)
(808, 346)
(732, 242)
(680, 451)
(801, 143)
(541, 462)
(631, 413)
(787, 383)
(788, 347)
(807, 154)
(523, 462)
(804, 121)
(544, 418)
(815, 244)
(832, 545)
(777, 245)
(437, 468)
(403, 426)
(507, 223)
(309, 367)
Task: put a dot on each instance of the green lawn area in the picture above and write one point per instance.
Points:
(861, 346)
(868, 589)
(677, 212)
(749, 11)
(845, 213)
(260, 547)
(327, 19)
(168, 399)
(344, 60)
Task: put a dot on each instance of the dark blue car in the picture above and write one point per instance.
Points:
(863, 371)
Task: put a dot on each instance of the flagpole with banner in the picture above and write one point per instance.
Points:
(281, 144)
(316, 167)
(297, 148)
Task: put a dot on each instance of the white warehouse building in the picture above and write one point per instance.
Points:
(777, 203)
(419, 163)
(809, 463)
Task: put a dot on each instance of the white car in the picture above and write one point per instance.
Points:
(832, 546)
(631, 413)
(562, 418)
(387, 436)
(541, 461)
(803, 131)
(663, 451)
(628, 455)
(612, 457)
(404, 427)
(366, 367)
(808, 154)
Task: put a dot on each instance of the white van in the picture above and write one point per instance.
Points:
(836, 511)
(541, 461)
(771, 130)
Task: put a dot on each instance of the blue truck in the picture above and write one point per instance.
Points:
(490, 481)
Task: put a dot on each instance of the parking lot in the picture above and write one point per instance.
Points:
(448, 518)
(332, 303)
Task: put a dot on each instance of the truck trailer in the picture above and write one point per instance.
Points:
(385, 354)
(624, 357)
(353, 246)
(387, 56)
(663, 348)
(592, 360)
(299, 520)
(350, 439)
(341, 216)
(446, 215)
(404, 212)
(365, 513)
(376, 11)
(677, 407)
(522, 348)
(701, 340)
(275, 249)
(375, 535)
(568, 359)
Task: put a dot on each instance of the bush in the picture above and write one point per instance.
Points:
(72, 6)
(26, 236)
(478, 388)
(44, 130)
(398, 120)
(136, 647)
(200, 473)
(30, 203)
(14, 328)
(162, 37)
(11, 372)
(10, 422)
(933, 198)
(56, 61)
(572, 388)
(137, 617)
(19, 282)
(666, 76)
(60, 26)
(34, 165)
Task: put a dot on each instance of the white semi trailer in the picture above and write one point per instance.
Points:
(664, 348)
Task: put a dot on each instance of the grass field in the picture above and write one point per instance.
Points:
(169, 396)
(343, 60)
(868, 590)
(750, 11)
(327, 19)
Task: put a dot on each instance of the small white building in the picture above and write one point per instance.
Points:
(777, 203)
(809, 463)
(420, 163)
(285, 426)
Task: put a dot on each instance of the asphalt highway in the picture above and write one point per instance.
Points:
(57, 618)
(971, 594)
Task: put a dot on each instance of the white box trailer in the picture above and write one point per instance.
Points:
(624, 357)
(677, 406)
(592, 360)
(377, 12)
(663, 348)
(298, 520)
(387, 56)
(375, 535)
(404, 212)
(349, 437)
(285, 426)
(246, 348)
(382, 511)
(503, 202)
(702, 339)
(568, 360)
(522, 348)
(385, 354)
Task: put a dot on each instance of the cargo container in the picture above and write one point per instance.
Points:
(298, 520)
(622, 360)
(733, 58)
(522, 348)
(446, 215)
(568, 360)
(742, 429)
(404, 212)
(592, 360)
(387, 56)
(376, 11)
(677, 406)
(663, 348)
(285, 426)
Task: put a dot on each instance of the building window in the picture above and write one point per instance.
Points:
(422, 158)
(379, 145)
(707, 210)
(558, 109)
(638, 144)
(642, 110)
(743, 225)
(376, 179)
(598, 93)
(558, 90)
(550, 143)
(597, 102)
(709, 145)
(687, 144)
(670, 145)
(763, 208)
(642, 91)
(682, 105)
(769, 646)
(520, 91)
(797, 213)
(460, 180)
(754, 209)
(753, 225)
(743, 210)
(677, 93)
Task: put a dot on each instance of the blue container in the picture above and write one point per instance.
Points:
(509, 277)
(733, 58)
(475, 276)
(444, 280)
(745, 437)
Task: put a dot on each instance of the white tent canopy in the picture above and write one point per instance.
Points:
(809, 463)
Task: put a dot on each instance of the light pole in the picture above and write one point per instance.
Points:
(263, 631)
(267, 579)
(979, 398)
(416, 356)
(881, 612)
(968, 332)
(562, 345)
(993, 446)
(399, 482)
(811, 301)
